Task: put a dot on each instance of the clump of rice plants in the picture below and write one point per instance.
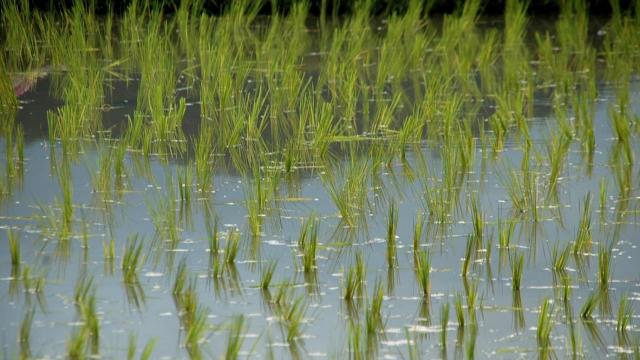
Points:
(516, 271)
(586, 312)
(235, 338)
(132, 259)
(560, 258)
(24, 334)
(308, 243)
(353, 282)
(267, 275)
(423, 272)
(233, 244)
(14, 249)
(604, 266)
(545, 327)
(392, 225)
(583, 240)
(625, 314)
(444, 324)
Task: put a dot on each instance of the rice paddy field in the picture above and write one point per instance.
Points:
(406, 185)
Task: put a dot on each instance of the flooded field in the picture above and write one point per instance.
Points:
(296, 186)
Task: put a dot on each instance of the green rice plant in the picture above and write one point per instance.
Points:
(9, 100)
(20, 150)
(213, 237)
(180, 282)
(417, 234)
(625, 314)
(185, 183)
(459, 311)
(350, 197)
(353, 282)
(76, 345)
(132, 259)
(83, 289)
(32, 284)
(478, 220)
(293, 317)
(470, 254)
(545, 327)
(203, 156)
(472, 302)
(109, 250)
(146, 351)
(516, 271)
(374, 312)
(235, 338)
(412, 345)
(557, 153)
(560, 258)
(392, 225)
(267, 275)
(604, 266)
(14, 249)
(24, 334)
(603, 200)
(423, 271)
(196, 331)
(233, 244)
(91, 323)
(505, 232)
(583, 239)
(444, 324)
(308, 243)
(355, 343)
(586, 311)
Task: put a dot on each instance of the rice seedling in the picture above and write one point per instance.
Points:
(132, 259)
(83, 289)
(423, 271)
(24, 334)
(353, 282)
(109, 250)
(583, 240)
(545, 328)
(472, 302)
(470, 346)
(459, 311)
(180, 282)
(603, 200)
(14, 249)
(505, 232)
(146, 351)
(417, 234)
(374, 312)
(235, 338)
(308, 243)
(478, 220)
(517, 267)
(76, 345)
(625, 314)
(196, 330)
(267, 275)
(232, 246)
(586, 311)
(604, 266)
(91, 323)
(560, 258)
(444, 324)
(293, 318)
(470, 254)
